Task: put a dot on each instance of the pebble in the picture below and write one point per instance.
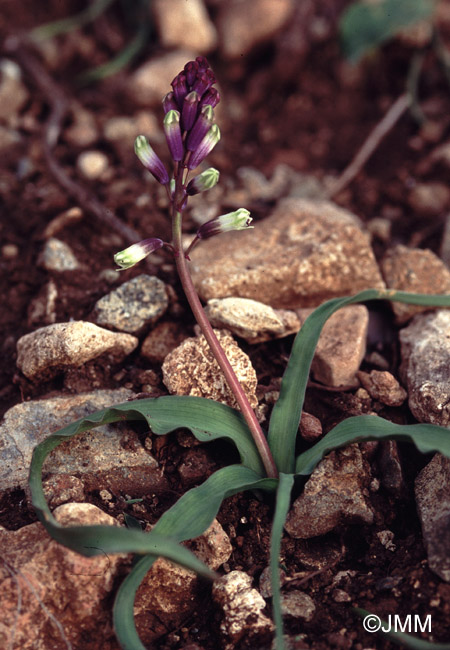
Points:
(184, 24)
(383, 386)
(58, 256)
(123, 130)
(244, 25)
(62, 488)
(242, 606)
(251, 320)
(13, 93)
(133, 306)
(414, 270)
(333, 495)
(10, 251)
(55, 585)
(106, 457)
(168, 593)
(50, 350)
(151, 81)
(429, 199)
(297, 604)
(191, 369)
(433, 504)
(9, 138)
(341, 346)
(92, 164)
(310, 427)
(425, 352)
(83, 131)
(63, 220)
(301, 255)
(161, 340)
(42, 309)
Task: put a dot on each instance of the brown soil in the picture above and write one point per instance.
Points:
(314, 117)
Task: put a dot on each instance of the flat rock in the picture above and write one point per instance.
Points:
(191, 369)
(301, 255)
(184, 24)
(133, 306)
(341, 346)
(432, 489)
(243, 25)
(250, 319)
(151, 81)
(58, 256)
(109, 456)
(51, 596)
(415, 270)
(383, 386)
(167, 595)
(425, 351)
(333, 495)
(50, 350)
(242, 606)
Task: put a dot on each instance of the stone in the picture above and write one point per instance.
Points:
(122, 130)
(161, 340)
(432, 490)
(425, 352)
(250, 319)
(58, 256)
(414, 270)
(83, 131)
(383, 386)
(13, 94)
(110, 456)
(168, 593)
(341, 346)
(42, 309)
(133, 306)
(184, 24)
(67, 218)
(51, 350)
(9, 138)
(52, 597)
(429, 199)
(242, 607)
(310, 427)
(151, 81)
(301, 255)
(63, 488)
(92, 164)
(244, 25)
(191, 369)
(297, 604)
(333, 495)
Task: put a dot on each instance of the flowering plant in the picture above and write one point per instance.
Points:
(268, 461)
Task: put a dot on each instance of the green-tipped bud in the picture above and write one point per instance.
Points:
(174, 139)
(150, 160)
(136, 252)
(204, 181)
(237, 220)
(205, 147)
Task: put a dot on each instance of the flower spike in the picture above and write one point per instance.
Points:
(238, 220)
(150, 160)
(136, 252)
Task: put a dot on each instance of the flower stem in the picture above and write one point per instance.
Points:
(217, 350)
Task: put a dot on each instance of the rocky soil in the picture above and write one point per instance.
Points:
(371, 527)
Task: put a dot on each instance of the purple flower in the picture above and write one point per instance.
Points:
(200, 128)
(238, 220)
(205, 147)
(150, 160)
(136, 252)
(204, 181)
(190, 110)
(173, 135)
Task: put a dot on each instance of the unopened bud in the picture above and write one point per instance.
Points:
(136, 252)
(238, 220)
(173, 135)
(204, 181)
(150, 160)
(189, 111)
(205, 147)
(201, 127)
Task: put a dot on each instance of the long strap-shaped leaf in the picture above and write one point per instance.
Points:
(281, 509)
(208, 420)
(187, 518)
(287, 411)
(426, 437)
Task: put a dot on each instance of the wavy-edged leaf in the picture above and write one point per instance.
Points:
(426, 437)
(403, 639)
(285, 484)
(287, 411)
(189, 517)
(366, 25)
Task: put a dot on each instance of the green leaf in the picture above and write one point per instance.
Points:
(281, 509)
(426, 437)
(189, 517)
(365, 25)
(403, 639)
(287, 411)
